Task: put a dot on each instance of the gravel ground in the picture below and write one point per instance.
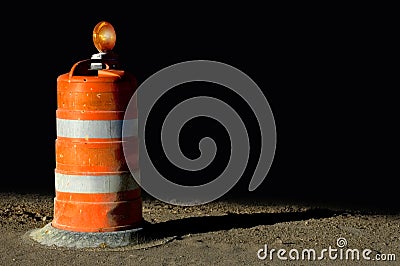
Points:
(224, 232)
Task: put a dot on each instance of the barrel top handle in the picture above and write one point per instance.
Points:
(82, 68)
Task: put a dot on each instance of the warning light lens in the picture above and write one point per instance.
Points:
(104, 37)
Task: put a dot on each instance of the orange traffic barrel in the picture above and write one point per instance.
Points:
(97, 201)
(95, 190)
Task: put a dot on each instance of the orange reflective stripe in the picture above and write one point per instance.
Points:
(91, 156)
(97, 217)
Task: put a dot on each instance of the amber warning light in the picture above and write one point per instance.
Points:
(104, 38)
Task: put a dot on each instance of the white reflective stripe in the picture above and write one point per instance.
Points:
(94, 184)
(95, 128)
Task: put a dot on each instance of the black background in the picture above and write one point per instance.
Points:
(325, 75)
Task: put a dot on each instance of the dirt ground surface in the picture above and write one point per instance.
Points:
(224, 232)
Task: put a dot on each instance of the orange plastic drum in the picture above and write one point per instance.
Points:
(95, 191)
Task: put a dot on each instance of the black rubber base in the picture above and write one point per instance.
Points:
(51, 236)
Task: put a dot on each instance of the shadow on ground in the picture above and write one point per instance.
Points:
(194, 225)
